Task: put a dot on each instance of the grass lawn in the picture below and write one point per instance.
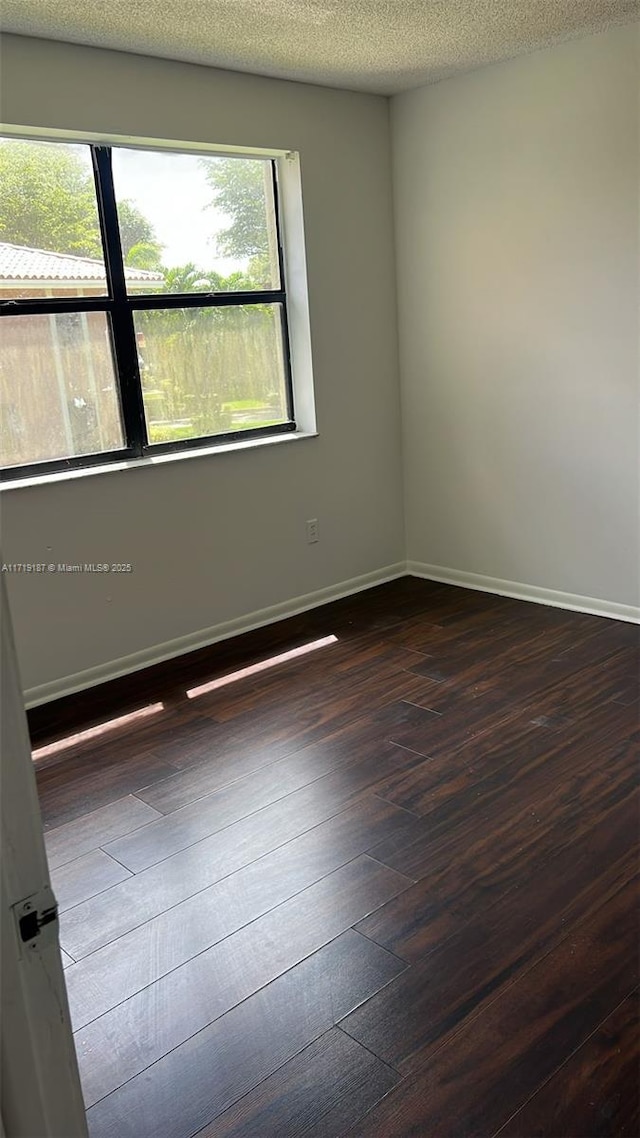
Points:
(166, 433)
(243, 405)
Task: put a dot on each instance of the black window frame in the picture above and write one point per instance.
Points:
(119, 307)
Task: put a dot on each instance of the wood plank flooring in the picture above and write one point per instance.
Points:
(385, 887)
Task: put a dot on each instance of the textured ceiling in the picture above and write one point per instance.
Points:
(370, 45)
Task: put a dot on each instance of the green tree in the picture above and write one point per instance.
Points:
(238, 186)
(136, 230)
(47, 198)
(144, 255)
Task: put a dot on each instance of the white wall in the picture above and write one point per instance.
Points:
(215, 538)
(516, 200)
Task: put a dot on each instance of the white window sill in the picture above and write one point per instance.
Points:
(154, 460)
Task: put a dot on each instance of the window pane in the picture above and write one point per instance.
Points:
(58, 394)
(203, 224)
(50, 242)
(206, 371)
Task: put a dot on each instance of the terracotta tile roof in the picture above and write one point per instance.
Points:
(20, 263)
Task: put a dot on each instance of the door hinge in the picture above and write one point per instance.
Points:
(36, 919)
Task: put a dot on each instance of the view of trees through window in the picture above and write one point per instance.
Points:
(188, 223)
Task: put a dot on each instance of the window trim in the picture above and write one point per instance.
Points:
(119, 306)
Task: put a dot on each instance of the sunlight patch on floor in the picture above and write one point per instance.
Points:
(253, 669)
(95, 732)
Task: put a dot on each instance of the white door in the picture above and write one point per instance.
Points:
(41, 1096)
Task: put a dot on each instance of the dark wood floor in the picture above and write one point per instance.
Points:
(384, 887)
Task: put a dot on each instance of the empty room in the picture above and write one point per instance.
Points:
(319, 458)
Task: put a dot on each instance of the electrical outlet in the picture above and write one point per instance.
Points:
(312, 531)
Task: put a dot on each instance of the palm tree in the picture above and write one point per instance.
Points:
(189, 278)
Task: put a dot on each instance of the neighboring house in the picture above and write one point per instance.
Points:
(26, 272)
(57, 384)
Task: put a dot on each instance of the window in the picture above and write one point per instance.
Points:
(142, 300)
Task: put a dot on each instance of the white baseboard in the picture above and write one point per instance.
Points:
(69, 685)
(522, 592)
